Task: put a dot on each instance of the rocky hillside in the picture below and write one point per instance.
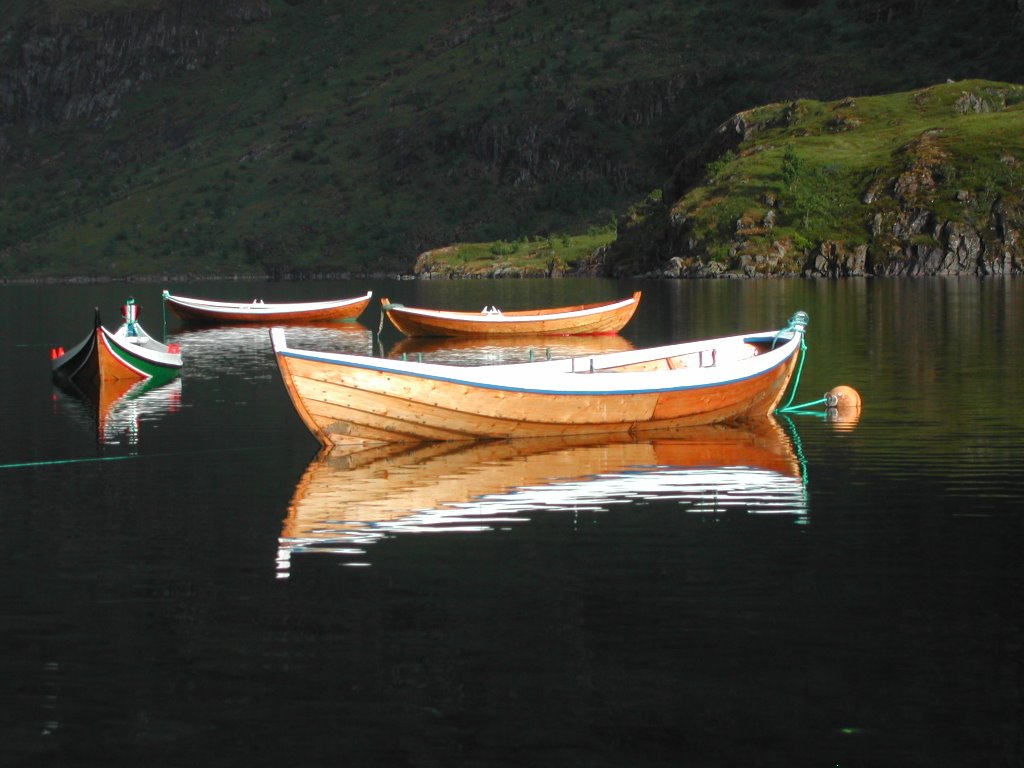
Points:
(291, 137)
(928, 182)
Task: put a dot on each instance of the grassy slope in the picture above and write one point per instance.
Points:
(844, 149)
(334, 139)
(536, 257)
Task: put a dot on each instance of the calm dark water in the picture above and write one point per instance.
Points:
(186, 582)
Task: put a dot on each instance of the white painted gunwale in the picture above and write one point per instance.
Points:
(253, 308)
(151, 349)
(499, 318)
(556, 376)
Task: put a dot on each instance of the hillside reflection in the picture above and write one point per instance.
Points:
(349, 500)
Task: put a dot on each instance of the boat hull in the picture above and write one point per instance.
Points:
(121, 358)
(202, 310)
(108, 357)
(344, 399)
(602, 318)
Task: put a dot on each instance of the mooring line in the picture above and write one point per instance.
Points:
(90, 459)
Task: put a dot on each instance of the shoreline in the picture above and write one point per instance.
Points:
(184, 279)
(195, 278)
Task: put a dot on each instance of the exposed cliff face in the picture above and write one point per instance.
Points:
(957, 248)
(906, 241)
(81, 66)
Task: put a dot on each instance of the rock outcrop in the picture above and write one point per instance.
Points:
(949, 247)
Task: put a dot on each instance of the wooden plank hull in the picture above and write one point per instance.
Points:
(345, 399)
(206, 311)
(600, 318)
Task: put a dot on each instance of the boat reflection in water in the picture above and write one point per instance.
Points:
(493, 350)
(350, 499)
(118, 408)
(212, 350)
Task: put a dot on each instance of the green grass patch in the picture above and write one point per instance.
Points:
(529, 256)
(819, 171)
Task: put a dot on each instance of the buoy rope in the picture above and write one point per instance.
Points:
(56, 462)
(799, 411)
(796, 324)
(123, 457)
(798, 448)
(789, 407)
(828, 401)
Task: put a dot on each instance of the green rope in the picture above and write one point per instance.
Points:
(123, 457)
(798, 447)
(801, 409)
(796, 379)
(800, 318)
(790, 408)
(56, 462)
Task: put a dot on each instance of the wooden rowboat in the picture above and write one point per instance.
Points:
(346, 399)
(352, 498)
(129, 353)
(257, 311)
(605, 317)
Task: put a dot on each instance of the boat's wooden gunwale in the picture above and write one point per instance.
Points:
(581, 319)
(594, 374)
(507, 316)
(188, 308)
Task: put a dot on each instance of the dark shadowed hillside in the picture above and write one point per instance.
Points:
(142, 137)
